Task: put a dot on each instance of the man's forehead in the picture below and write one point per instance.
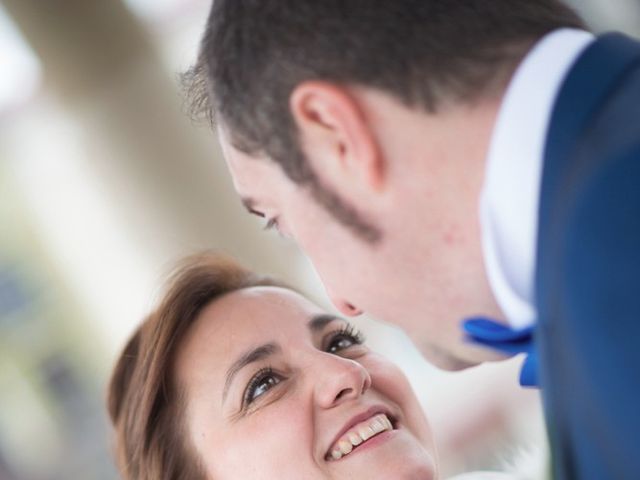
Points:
(232, 156)
(253, 180)
(244, 170)
(241, 163)
(257, 179)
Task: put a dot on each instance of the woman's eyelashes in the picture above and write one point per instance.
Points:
(342, 339)
(263, 381)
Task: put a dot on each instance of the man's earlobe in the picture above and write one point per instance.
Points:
(335, 136)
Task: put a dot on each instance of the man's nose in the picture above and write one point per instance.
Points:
(340, 380)
(343, 306)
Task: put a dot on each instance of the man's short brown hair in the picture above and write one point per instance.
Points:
(255, 52)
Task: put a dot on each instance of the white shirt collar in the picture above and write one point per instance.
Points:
(509, 199)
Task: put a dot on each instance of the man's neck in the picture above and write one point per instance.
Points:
(509, 200)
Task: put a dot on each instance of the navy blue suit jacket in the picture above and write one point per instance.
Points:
(588, 266)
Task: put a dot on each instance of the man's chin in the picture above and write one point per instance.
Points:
(451, 364)
(454, 361)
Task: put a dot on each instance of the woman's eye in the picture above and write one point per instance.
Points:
(262, 383)
(340, 342)
(343, 339)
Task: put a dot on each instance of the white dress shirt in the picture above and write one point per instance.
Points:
(510, 194)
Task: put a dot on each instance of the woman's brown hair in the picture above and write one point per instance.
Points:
(144, 401)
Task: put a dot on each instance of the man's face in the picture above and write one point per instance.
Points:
(424, 274)
(343, 261)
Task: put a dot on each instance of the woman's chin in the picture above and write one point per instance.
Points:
(393, 455)
(400, 470)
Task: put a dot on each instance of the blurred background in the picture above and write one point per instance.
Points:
(104, 183)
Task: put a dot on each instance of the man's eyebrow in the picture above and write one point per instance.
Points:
(249, 204)
(253, 355)
(318, 322)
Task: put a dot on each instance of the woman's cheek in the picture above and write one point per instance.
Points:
(280, 438)
(387, 378)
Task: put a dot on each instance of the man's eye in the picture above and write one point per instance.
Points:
(260, 384)
(271, 224)
(344, 338)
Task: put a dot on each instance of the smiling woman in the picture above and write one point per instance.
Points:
(237, 376)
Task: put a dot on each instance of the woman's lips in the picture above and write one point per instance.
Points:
(359, 434)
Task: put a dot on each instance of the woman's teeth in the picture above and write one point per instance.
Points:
(360, 434)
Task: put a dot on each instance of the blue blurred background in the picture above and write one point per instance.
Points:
(104, 183)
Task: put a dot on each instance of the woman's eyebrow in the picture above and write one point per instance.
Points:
(253, 355)
(318, 322)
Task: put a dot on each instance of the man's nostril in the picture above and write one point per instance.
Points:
(353, 310)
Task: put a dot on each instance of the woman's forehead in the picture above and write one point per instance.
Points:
(262, 300)
(249, 315)
(238, 321)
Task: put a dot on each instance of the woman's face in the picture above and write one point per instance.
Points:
(278, 389)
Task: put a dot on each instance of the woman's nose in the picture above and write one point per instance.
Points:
(340, 380)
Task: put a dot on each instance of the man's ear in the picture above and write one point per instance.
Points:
(336, 138)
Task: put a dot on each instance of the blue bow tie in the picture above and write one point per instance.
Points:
(504, 339)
